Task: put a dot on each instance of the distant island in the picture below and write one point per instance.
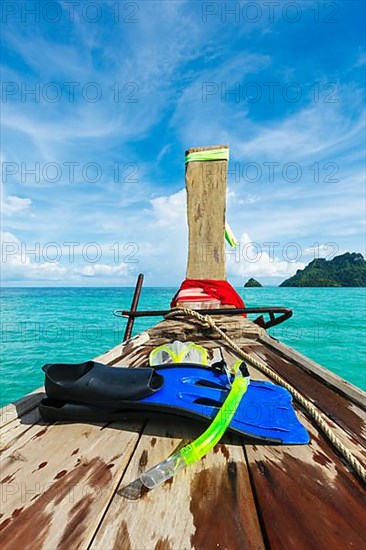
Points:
(252, 283)
(345, 270)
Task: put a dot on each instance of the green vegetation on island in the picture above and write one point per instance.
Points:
(252, 283)
(345, 270)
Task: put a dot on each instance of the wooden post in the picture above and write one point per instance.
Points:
(206, 207)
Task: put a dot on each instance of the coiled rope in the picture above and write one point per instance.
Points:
(313, 412)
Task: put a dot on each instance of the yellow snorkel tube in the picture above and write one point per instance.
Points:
(196, 450)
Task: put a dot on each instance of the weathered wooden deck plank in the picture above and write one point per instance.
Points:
(325, 376)
(307, 496)
(58, 480)
(346, 414)
(15, 429)
(62, 488)
(123, 349)
(15, 410)
(208, 506)
(306, 481)
(116, 532)
(296, 487)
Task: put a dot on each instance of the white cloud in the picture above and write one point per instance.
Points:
(103, 269)
(311, 131)
(361, 60)
(46, 270)
(163, 151)
(19, 265)
(326, 250)
(170, 210)
(11, 204)
(235, 198)
(252, 259)
(14, 205)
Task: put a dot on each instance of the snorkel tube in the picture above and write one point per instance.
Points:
(196, 450)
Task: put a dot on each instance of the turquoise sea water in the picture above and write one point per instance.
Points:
(45, 325)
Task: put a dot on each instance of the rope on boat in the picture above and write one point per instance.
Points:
(314, 413)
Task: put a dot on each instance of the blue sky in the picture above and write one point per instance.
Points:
(119, 95)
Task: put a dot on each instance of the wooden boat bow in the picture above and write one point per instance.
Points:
(61, 483)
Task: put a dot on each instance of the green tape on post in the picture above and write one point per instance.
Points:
(210, 154)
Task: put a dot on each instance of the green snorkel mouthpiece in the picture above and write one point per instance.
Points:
(204, 443)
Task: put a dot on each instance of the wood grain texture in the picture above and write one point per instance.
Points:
(292, 497)
(206, 210)
(326, 376)
(206, 148)
(15, 429)
(348, 416)
(207, 506)
(306, 496)
(57, 481)
(21, 406)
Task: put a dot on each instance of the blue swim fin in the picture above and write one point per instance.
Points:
(95, 392)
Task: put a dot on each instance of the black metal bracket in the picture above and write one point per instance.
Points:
(285, 313)
(131, 314)
(134, 304)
